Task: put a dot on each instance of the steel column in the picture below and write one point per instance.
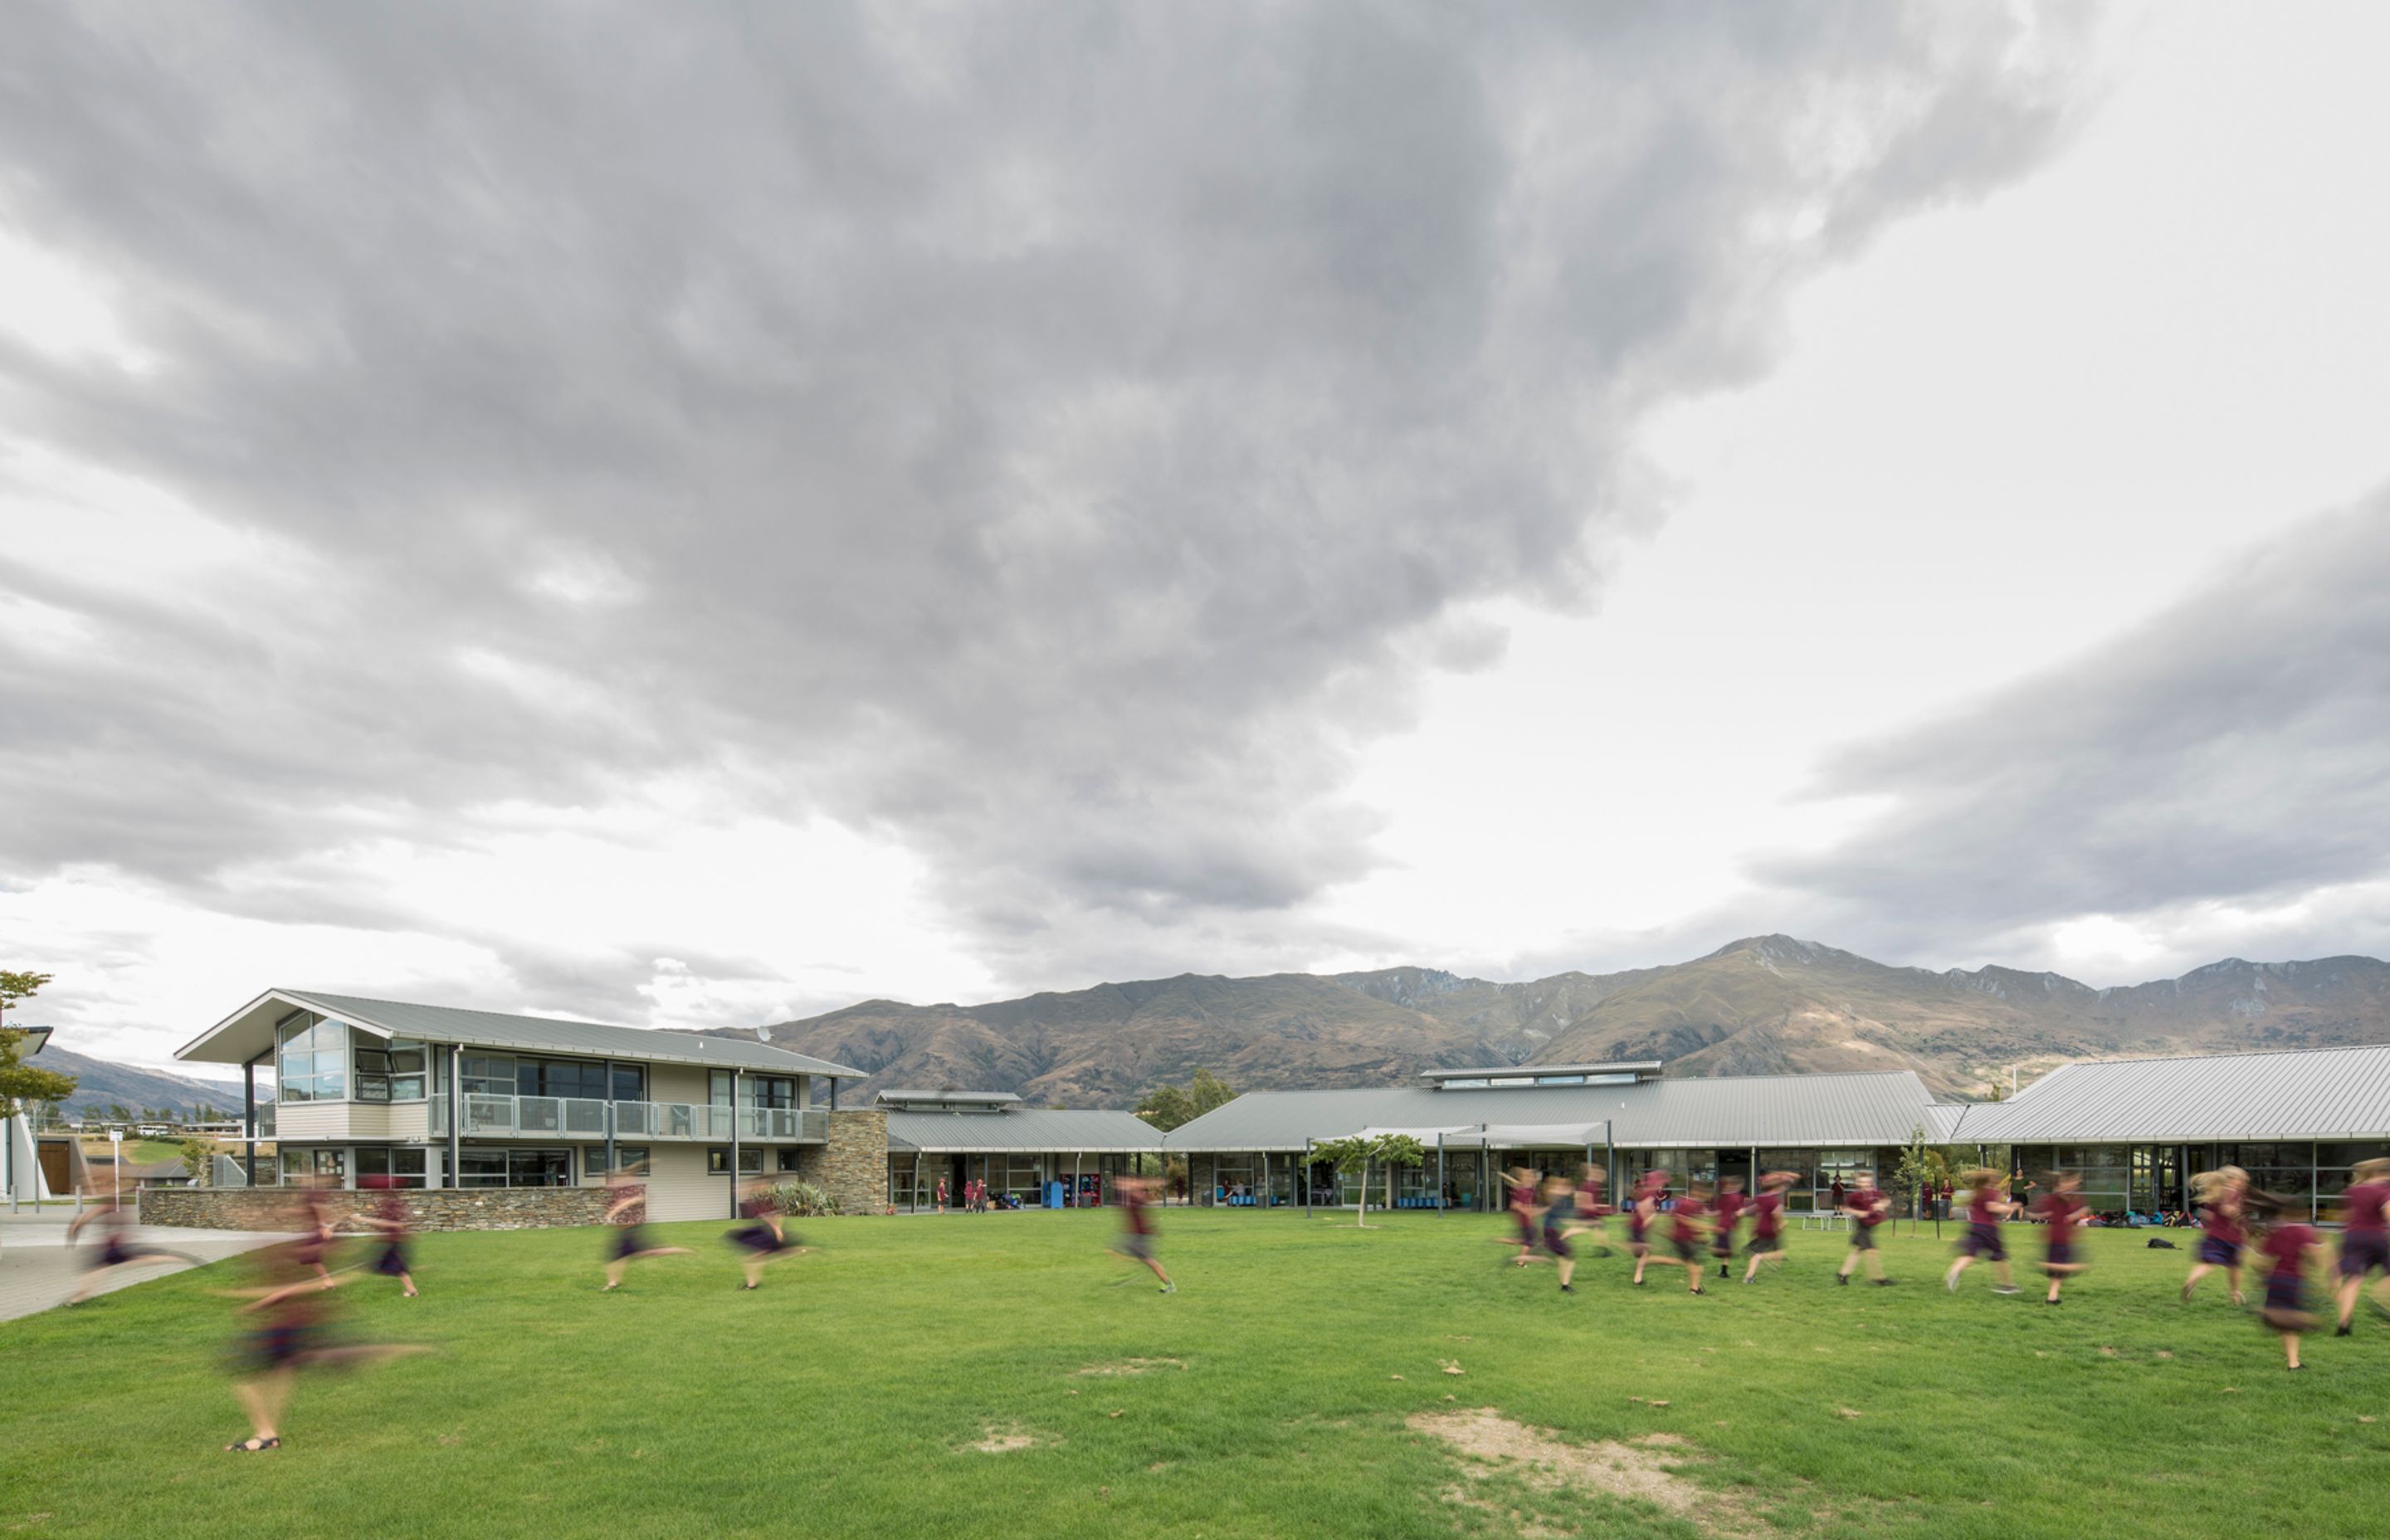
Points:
(455, 1114)
(734, 1142)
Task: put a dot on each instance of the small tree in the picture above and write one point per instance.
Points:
(1167, 1107)
(21, 1083)
(1348, 1155)
(1917, 1161)
(199, 1159)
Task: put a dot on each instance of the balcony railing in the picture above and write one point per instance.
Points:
(580, 1118)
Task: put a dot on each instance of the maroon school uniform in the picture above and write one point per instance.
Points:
(1682, 1229)
(2286, 1246)
(1766, 1220)
(1984, 1230)
(1730, 1213)
(2364, 1245)
(2059, 1211)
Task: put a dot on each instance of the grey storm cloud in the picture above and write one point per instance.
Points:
(1052, 433)
(2228, 750)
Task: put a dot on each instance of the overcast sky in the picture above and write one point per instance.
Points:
(700, 517)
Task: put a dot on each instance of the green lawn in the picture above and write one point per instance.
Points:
(844, 1397)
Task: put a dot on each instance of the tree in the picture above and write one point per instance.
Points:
(1918, 1159)
(1354, 1154)
(1167, 1106)
(199, 1159)
(21, 1083)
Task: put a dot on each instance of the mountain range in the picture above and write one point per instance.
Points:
(1764, 1004)
(97, 1083)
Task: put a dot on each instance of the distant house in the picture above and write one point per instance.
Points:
(1033, 1157)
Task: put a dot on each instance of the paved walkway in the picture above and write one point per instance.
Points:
(38, 1270)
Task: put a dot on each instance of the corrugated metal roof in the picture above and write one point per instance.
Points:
(1821, 1112)
(1942, 1121)
(2311, 1094)
(969, 1098)
(1030, 1130)
(490, 1030)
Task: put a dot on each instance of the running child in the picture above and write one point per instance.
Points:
(1768, 1222)
(1865, 1204)
(1729, 1214)
(2061, 1215)
(1986, 1206)
(2222, 1195)
(2364, 1248)
(1592, 1207)
(761, 1237)
(1685, 1233)
(289, 1328)
(1559, 1214)
(630, 1242)
(1136, 1240)
(112, 1224)
(2289, 1245)
(314, 1220)
(1521, 1200)
(389, 1218)
(1641, 1214)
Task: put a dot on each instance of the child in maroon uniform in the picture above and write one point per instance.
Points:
(1136, 1229)
(2287, 1244)
(1768, 1222)
(1592, 1207)
(1684, 1232)
(1730, 1213)
(389, 1218)
(763, 1238)
(2221, 1196)
(1986, 1208)
(1865, 1204)
(630, 1242)
(1640, 1215)
(2363, 1245)
(2063, 1215)
(1522, 1184)
(1560, 1223)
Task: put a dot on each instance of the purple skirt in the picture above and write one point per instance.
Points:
(2363, 1251)
(2219, 1254)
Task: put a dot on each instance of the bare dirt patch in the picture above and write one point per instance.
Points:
(1131, 1366)
(1638, 1468)
(1003, 1437)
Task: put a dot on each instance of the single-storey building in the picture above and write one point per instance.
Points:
(2139, 1129)
(1028, 1157)
(36, 1164)
(472, 1102)
(1627, 1115)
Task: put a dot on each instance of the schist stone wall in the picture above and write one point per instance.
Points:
(427, 1208)
(853, 1167)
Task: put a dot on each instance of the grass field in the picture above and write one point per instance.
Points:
(1278, 1396)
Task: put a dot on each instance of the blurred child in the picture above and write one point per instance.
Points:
(111, 1225)
(2221, 1195)
(1519, 1189)
(2289, 1245)
(1729, 1214)
(389, 1218)
(1685, 1226)
(1136, 1240)
(1768, 1222)
(763, 1238)
(1865, 1204)
(2363, 1246)
(630, 1242)
(1641, 1214)
(2063, 1215)
(1559, 1204)
(1986, 1206)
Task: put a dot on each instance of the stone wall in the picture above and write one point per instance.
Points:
(427, 1208)
(853, 1167)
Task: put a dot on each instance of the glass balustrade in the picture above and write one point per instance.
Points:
(572, 1117)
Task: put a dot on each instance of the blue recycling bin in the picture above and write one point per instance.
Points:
(1053, 1195)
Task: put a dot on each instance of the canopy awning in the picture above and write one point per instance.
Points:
(1528, 1135)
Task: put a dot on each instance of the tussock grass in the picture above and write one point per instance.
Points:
(853, 1393)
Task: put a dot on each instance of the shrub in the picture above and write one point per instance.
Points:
(803, 1200)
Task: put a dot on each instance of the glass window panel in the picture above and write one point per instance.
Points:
(789, 1155)
(482, 1168)
(331, 1087)
(539, 1168)
(374, 1061)
(406, 1087)
(371, 1087)
(630, 1158)
(750, 1159)
(630, 1083)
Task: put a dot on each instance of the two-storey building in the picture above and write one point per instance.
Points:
(434, 1097)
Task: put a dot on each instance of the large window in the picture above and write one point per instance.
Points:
(515, 1168)
(790, 1157)
(754, 1090)
(395, 1167)
(561, 1077)
(750, 1159)
(629, 1159)
(311, 1058)
(489, 1075)
(389, 1071)
(299, 1164)
(629, 1082)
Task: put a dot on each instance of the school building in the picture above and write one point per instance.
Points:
(517, 1119)
(1028, 1157)
(35, 1165)
(1629, 1116)
(2139, 1129)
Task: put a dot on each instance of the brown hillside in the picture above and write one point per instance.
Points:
(1763, 1005)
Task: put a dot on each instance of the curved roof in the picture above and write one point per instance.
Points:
(2306, 1094)
(1822, 1112)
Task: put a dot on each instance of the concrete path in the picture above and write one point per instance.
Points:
(38, 1270)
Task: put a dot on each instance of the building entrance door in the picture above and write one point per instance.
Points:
(1735, 1163)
